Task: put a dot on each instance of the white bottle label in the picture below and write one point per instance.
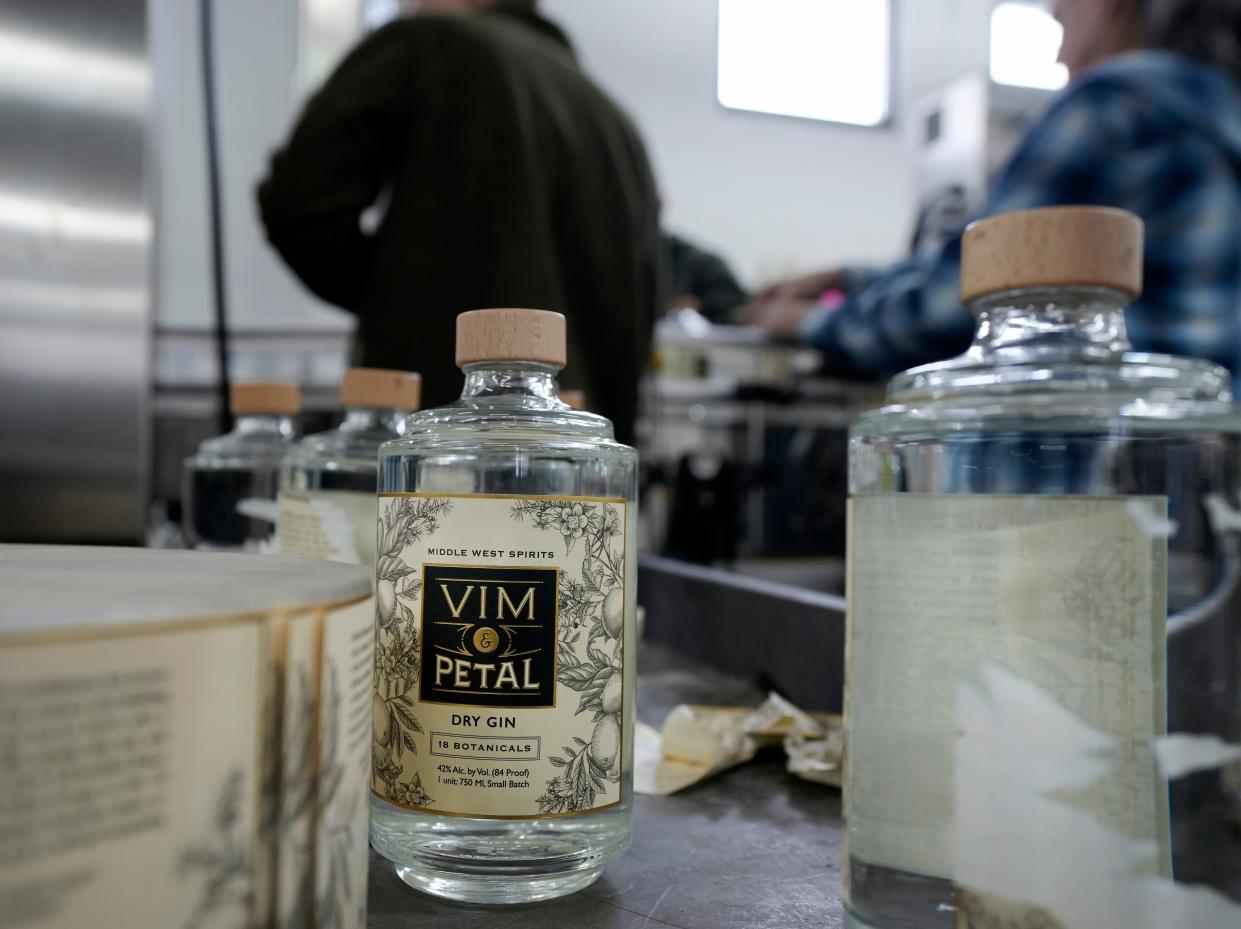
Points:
(499, 661)
(1068, 593)
(336, 525)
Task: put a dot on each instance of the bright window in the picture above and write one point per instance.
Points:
(1025, 42)
(819, 59)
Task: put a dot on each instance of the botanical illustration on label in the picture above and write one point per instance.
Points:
(342, 808)
(217, 863)
(498, 655)
(322, 817)
(1067, 593)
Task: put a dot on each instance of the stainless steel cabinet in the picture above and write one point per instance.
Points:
(75, 260)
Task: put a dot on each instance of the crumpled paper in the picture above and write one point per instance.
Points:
(699, 741)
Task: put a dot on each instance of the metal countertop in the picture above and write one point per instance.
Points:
(752, 848)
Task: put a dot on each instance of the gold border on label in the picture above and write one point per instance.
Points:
(1084, 498)
(316, 764)
(430, 811)
(458, 496)
(422, 631)
(265, 844)
(196, 623)
(622, 502)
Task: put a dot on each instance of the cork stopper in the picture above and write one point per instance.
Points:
(1052, 247)
(279, 397)
(381, 388)
(511, 335)
(574, 398)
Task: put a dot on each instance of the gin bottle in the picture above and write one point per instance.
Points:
(327, 493)
(503, 711)
(230, 485)
(1017, 508)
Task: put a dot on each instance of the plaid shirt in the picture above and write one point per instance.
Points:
(1150, 132)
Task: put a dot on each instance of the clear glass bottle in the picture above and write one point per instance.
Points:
(230, 485)
(328, 480)
(507, 527)
(1018, 508)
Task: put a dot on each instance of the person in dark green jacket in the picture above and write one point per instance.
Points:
(504, 176)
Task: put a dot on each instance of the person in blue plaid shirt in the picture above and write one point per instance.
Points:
(1151, 122)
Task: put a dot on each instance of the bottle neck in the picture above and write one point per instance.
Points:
(510, 381)
(264, 423)
(1050, 323)
(372, 419)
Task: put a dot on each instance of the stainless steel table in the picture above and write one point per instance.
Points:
(754, 848)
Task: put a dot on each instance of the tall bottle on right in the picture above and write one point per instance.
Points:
(1030, 532)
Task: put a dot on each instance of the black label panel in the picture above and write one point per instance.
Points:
(488, 636)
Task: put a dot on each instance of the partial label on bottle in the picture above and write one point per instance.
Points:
(336, 525)
(499, 662)
(1067, 593)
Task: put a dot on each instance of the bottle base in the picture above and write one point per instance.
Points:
(498, 861)
(890, 898)
(497, 889)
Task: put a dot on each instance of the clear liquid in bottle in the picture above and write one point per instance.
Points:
(1018, 508)
(506, 576)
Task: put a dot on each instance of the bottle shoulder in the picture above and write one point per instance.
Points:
(342, 447)
(1136, 392)
(1133, 386)
(530, 425)
(242, 449)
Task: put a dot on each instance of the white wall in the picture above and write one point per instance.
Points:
(256, 84)
(773, 194)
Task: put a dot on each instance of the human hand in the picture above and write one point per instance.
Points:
(806, 287)
(780, 317)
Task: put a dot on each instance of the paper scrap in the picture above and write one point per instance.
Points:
(1181, 753)
(778, 717)
(819, 760)
(699, 741)
(696, 742)
(1221, 514)
(257, 508)
(655, 775)
(1151, 525)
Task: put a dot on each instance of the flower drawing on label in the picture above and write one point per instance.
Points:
(575, 523)
(404, 521)
(412, 793)
(220, 862)
(588, 649)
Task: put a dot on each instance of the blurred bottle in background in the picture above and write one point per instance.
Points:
(230, 486)
(328, 481)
